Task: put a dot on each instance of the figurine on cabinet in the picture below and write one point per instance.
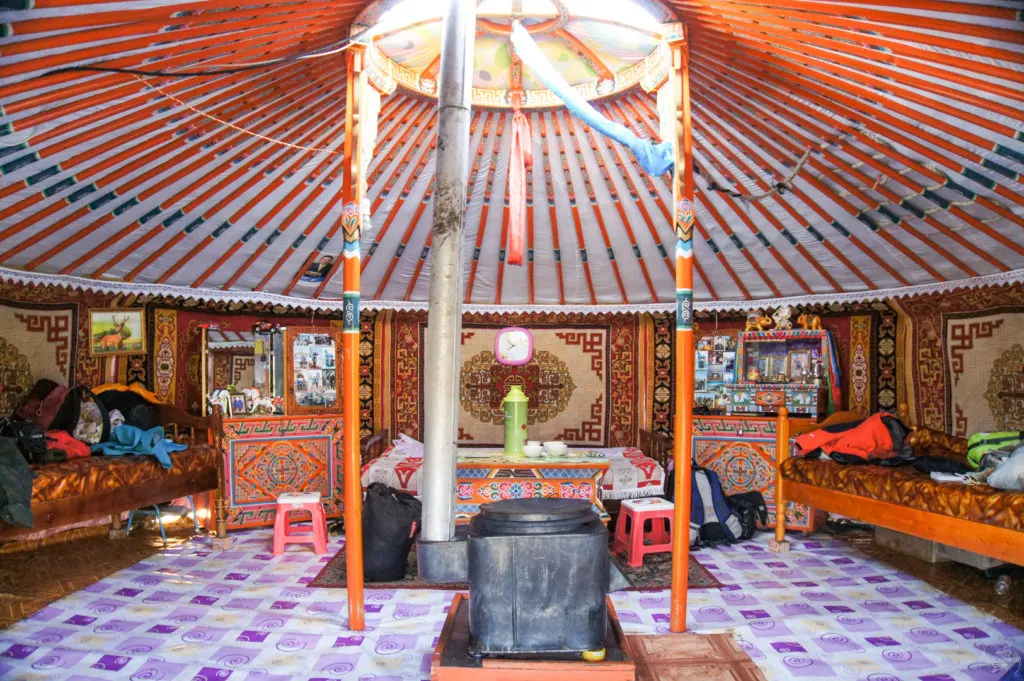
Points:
(809, 322)
(781, 318)
(757, 321)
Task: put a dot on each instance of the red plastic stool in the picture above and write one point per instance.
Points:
(629, 529)
(286, 533)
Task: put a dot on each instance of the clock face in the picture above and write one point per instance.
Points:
(513, 346)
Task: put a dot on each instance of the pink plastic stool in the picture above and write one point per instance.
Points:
(629, 529)
(286, 533)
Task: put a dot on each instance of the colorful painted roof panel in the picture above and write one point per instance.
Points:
(841, 147)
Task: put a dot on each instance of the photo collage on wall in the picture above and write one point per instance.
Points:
(715, 368)
(315, 370)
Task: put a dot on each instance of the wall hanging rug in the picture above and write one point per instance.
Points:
(656, 573)
(582, 380)
(35, 342)
(964, 359)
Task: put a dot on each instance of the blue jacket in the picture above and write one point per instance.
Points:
(125, 439)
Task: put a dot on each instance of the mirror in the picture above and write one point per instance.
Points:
(312, 368)
(245, 369)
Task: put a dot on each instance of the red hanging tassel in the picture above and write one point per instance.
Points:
(521, 159)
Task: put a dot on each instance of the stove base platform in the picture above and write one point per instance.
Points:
(452, 662)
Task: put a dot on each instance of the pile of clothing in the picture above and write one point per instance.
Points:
(54, 423)
(995, 459)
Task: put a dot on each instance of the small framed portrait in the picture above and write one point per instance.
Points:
(318, 269)
(117, 332)
(799, 364)
(239, 404)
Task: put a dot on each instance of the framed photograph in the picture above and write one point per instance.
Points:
(239, 404)
(311, 375)
(117, 332)
(799, 364)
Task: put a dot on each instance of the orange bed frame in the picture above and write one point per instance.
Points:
(989, 540)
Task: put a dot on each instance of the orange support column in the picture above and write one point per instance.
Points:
(685, 218)
(350, 221)
(781, 454)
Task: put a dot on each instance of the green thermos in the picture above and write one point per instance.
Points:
(515, 419)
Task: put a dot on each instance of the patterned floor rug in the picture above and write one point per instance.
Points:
(656, 573)
(823, 611)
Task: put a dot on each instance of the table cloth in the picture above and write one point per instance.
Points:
(629, 473)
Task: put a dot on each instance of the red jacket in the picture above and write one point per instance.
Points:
(59, 439)
(868, 440)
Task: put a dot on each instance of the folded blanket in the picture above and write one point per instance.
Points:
(125, 439)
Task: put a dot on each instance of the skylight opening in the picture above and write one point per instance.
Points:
(621, 12)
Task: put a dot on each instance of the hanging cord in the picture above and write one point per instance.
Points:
(220, 121)
(779, 187)
(216, 72)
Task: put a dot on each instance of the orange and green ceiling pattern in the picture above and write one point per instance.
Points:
(895, 131)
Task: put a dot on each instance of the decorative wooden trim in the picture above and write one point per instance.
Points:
(988, 540)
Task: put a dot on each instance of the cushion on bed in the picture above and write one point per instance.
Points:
(100, 473)
(906, 486)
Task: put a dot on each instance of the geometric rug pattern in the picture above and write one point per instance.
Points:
(822, 611)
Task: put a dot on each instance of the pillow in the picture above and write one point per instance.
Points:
(406, 446)
(1010, 473)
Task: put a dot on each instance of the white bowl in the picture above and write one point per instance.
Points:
(533, 442)
(556, 448)
(532, 450)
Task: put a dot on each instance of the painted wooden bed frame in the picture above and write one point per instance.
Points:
(68, 510)
(989, 540)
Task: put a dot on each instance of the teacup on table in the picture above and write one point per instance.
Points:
(533, 450)
(556, 448)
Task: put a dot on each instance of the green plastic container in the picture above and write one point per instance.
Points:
(515, 404)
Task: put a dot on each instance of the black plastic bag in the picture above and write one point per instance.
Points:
(390, 522)
(751, 510)
(29, 437)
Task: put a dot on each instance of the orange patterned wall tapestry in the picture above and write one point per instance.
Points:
(582, 381)
(963, 354)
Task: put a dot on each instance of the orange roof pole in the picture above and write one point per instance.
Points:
(685, 218)
(351, 212)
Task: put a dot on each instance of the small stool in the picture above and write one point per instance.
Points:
(286, 533)
(629, 529)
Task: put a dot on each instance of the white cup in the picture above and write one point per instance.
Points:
(555, 448)
(533, 442)
(532, 450)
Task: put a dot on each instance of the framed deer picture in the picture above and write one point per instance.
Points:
(117, 332)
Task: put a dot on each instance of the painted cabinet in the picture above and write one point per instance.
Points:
(742, 451)
(269, 455)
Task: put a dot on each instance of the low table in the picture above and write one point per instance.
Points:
(483, 477)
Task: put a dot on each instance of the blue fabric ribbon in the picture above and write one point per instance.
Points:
(655, 159)
(125, 439)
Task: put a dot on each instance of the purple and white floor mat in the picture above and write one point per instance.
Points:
(822, 611)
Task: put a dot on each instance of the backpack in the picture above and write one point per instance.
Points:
(715, 518)
(42, 403)
(750, 508)
(980, 444)
(28, 436)
(712, 521)
(83, 415)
